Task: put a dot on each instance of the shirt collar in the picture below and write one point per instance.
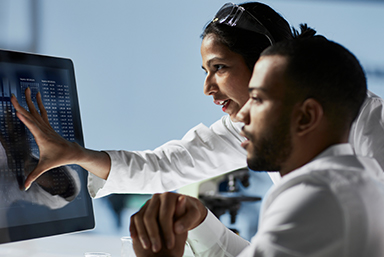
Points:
(331, 151)
(336, 150)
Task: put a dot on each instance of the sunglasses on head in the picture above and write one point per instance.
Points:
(236, 16)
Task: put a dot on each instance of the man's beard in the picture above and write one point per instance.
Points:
(272, 148)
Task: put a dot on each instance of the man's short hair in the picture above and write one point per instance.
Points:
(325, 71)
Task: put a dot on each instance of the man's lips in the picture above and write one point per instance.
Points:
(246, 142)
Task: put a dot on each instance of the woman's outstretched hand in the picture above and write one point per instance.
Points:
(54, 150)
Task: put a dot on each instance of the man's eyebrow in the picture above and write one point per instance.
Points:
(251, 89)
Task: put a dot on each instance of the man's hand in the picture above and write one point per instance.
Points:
(177, 251)
(164, 219)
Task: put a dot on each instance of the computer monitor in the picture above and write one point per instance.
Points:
(58, 202)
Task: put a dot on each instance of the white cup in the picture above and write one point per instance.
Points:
(97, 254)
(126, 247)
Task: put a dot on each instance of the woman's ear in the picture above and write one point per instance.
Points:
(309, 115)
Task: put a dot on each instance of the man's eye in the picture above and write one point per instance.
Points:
(256, 99)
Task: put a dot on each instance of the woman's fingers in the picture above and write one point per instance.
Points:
(53, 148)
(32, 177)
(27, 118)
(18, 107)
(31, 106)
(43, 111)
(29, 123)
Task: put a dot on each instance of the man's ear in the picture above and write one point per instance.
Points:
(309, 115)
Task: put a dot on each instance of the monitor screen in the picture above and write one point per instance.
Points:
(58, 202)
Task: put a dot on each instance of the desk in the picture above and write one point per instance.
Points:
(69, 245)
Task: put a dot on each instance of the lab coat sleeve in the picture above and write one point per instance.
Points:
(367, 132)
(212, 238)
(202, 153)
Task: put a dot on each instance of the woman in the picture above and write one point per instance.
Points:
(231, 45)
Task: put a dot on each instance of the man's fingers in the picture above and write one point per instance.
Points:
(132, 229)
(194, 213)
(138, 228)
(166, 218)
(180, 206)
(151, 222)
(181, 210)
(147, 227)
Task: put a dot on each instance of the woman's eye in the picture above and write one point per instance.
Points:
(219, 67)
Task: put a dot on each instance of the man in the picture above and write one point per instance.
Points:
(304, 95)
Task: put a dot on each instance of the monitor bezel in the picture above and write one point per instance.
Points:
(63, 226)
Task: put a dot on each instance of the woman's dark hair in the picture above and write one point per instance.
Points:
(247, 43)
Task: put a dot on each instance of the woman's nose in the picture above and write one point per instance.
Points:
(210, 85)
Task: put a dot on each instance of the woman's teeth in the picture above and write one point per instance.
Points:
(223, 102)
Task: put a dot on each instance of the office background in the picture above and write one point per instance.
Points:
(138, 64)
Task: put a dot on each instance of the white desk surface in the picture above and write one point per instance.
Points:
(68, 245)
(104, 238)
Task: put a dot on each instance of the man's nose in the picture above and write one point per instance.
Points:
(243, 114)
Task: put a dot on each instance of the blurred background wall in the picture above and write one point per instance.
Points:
(138, 63)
